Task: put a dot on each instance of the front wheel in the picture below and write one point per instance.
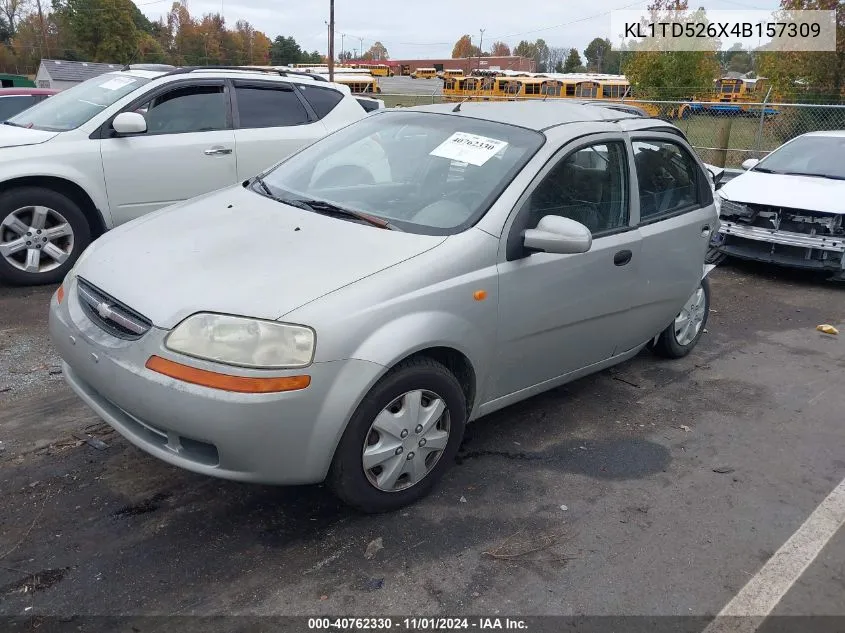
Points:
(401, 439)
(678, 340)
(42, 233)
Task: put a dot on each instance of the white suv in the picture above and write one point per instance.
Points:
(127, 143)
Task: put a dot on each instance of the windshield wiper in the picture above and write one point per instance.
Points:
(828, 176)
(327, 208)
(766, 170)
(13, 124)
(264, 186)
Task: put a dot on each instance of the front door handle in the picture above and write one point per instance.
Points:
(705, 230)
(622, 257)
(217, 150)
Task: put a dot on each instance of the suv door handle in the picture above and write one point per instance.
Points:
(622, 257)
(217, 150)
(705, 230)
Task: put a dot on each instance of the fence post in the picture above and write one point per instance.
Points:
(723, 141)
(759, 141)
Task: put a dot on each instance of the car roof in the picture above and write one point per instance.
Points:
(834, 133)
(7, 92)
(535, 115)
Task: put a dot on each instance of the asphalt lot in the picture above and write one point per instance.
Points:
(648, 527)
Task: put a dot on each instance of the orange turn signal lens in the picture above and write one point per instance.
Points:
(60, 294)
(479, 295)
(225, 382)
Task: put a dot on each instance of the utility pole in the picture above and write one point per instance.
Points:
(331, 40)
(362, 47)
(480, 44)
(342, 48)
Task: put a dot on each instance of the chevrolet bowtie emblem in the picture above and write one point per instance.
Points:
(104, 310)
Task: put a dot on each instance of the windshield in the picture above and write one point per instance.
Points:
(822, 156)
(422, 172)
(69, 109)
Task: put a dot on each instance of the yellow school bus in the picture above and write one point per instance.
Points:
(359, 83)
(380, 70)
(450, 73)
(424, 73)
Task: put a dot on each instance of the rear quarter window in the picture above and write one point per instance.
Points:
(323, 100)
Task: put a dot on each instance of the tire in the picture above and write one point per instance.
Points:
(24, 207)
(359, 487)
(668, 344)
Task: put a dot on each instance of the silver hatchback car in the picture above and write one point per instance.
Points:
(343, 315)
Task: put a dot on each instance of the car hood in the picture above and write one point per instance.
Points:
(793, 192)
(12, 136)
(236, 252)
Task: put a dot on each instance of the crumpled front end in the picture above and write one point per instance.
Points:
(812, 240)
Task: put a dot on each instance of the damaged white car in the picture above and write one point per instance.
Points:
(788, 208)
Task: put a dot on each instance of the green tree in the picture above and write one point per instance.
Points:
(821, 74)
(285, 50)
(573, 64)
(596, 54)
(525, 49)
(103, 30)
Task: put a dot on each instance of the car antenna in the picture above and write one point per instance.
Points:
(457, 108)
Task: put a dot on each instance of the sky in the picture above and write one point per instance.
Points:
(416, 29)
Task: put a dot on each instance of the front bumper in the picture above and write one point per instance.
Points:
(277, 438)
(801, 250)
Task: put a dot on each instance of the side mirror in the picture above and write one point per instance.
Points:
(748, 163)
(558, 235)
(129, 123)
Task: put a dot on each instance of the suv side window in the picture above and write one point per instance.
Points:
(590, 186)
(266, 105)
(201, 108)
(323, 100)
(668, 179)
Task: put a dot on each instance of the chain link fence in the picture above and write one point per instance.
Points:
(723, 134)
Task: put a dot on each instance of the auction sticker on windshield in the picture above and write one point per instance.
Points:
(117, 83)
(469, 148)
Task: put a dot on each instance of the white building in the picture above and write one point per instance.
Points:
(60, 74)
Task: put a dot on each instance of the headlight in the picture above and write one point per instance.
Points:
(242, 341)
(729, 207)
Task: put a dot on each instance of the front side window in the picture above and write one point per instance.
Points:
(262, 106)
(70, 108)
(187, 109)
(423, 172)
(589, 186)
(667, 176)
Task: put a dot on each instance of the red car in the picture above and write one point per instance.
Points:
(14, 100)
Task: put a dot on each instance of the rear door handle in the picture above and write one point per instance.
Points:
(622, 257)
(217, 150)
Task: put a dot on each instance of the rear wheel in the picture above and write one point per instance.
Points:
(678, 340)
(42, 233)
(401, 439)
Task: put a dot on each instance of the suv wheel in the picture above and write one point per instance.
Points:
(42, 233)
(401, 439)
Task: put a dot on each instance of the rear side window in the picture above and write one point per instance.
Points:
(10, 106)
(668, 179)
(323, 100)
(269, 106)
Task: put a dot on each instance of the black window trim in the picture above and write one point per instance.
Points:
(285, 86)
(514, 249)
(105, 130)
(648, 134)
